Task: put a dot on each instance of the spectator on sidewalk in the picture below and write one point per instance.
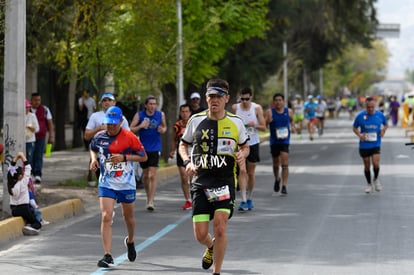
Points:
(86, 106)
(18, 188)
(33, 204)
(45, 120)
(32, 127)
(195, 103)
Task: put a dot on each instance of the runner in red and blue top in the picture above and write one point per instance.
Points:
(114, 150)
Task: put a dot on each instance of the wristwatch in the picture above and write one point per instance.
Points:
(186, 162)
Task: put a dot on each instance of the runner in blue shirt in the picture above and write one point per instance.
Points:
(370, 126)
(280, 122)
(149, 124)
(310, 115)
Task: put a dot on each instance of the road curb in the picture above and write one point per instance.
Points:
(12, 227)
(62, 210)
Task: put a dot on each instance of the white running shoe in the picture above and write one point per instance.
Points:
(38, 179)
(377, 184)
(30, 231)
(368, 189)
(44, 222)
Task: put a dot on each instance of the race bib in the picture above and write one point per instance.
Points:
(282, 133)
(250, 130)
(371, 136)
(114, 167)
(217, 193)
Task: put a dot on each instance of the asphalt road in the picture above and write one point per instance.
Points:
(326, 224)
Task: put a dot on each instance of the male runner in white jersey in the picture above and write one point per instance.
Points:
(252, 115)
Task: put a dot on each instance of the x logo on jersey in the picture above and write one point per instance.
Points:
(204, 133)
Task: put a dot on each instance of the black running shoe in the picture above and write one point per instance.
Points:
(284, 191)
(106, 261)
(276, 187)
(132, 253)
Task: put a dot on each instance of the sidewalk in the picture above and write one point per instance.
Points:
(60, 167)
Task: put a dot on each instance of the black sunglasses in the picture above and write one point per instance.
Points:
(245, 98)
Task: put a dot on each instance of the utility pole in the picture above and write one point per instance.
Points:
(14, 87)
(285, 74)
(321, 82)
(180, 74)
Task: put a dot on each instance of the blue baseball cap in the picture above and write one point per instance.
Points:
(113, 115)
(108, 95)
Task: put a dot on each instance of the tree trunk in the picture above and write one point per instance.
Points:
(77, 139)
(61, 92)
(169, 93)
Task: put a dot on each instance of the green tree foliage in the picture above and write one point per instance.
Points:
(316, 32)
(357, 69)
(135, 41)
(141, 39)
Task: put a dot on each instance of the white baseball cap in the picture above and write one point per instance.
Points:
(195, 95)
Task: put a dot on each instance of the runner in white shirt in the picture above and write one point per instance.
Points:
(320, 114)
(95, 123)
(252, 115)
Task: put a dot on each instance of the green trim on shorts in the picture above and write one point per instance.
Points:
(201, 218)
(298, 117)
(226, 210)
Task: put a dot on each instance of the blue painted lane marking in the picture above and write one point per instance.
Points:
(145, 243)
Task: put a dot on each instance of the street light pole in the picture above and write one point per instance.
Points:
(180, 75)
(321, 82)
(285, 73)
(14, 86)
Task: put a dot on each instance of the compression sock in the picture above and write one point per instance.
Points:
(368, 176)
(376, 172)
